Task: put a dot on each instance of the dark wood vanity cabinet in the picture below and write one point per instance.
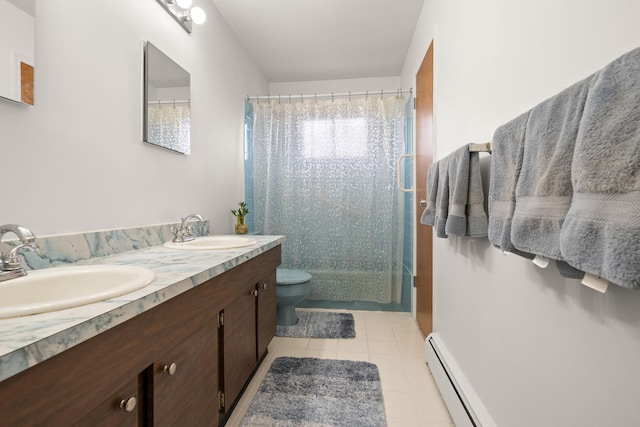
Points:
(185, 382)
(248, 325)
(266, 326)
(160, 368)
(238, 344)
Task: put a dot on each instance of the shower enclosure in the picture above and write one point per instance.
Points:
(324, 173)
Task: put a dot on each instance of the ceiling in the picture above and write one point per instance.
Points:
(307, 40)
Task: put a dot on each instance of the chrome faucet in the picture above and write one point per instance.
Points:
(185, 232)
(10, 264)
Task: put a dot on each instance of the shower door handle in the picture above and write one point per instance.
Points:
(399, 169)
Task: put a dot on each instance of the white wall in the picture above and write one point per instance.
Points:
(75, 161)
(538, 349)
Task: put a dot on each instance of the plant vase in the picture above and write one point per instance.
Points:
(241, 227)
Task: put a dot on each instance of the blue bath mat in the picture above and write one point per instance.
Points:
(319, 324)
(318, 392)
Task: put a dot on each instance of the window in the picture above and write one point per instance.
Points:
(338, 138)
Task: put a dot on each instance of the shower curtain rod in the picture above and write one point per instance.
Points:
(170, 102)
(329, 95)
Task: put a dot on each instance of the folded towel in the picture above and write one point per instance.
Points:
(458, 172)
(466, 216)
(428, 217)
(442, 198)
(601, 232)
(506, 162)
(543, 192)
(476, 215)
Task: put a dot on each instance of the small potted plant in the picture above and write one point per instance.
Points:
(241, 227)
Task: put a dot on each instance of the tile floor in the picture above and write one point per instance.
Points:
(390, 340)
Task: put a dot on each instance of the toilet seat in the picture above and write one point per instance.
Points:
(286, 276)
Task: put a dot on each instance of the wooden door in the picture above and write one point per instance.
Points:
(424, 158)
(26, 83)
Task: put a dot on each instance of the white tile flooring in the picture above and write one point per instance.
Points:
(390, 340)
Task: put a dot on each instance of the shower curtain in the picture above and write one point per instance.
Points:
(169, 126)
(324, 175)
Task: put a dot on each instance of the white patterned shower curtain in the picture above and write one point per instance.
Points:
(169, 126)
(324, 175)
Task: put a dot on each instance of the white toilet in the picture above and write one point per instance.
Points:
(292, 287)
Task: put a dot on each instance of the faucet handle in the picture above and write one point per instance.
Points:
(12, 262)
(178, 232)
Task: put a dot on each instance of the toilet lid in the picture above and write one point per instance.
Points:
(291, 277)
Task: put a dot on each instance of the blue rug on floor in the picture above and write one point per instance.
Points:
(319, 324)
(318, 392)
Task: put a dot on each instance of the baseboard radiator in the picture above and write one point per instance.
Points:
(462, 402)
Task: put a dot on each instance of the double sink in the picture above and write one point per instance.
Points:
(54, 289)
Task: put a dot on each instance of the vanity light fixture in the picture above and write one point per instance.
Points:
(183, 13)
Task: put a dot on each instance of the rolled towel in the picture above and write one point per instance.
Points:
(476, 215)
(442, 198)
(506, 162)
(601, 232)
(543, 192)
(428, 217)
(458, 172)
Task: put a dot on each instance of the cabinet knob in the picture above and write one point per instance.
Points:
(128, 405)
(254, 293)
(170, 369)
(264, 286)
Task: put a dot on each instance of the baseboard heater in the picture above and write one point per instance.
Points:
(464, 406)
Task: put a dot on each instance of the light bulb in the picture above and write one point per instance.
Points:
(197, 15)
(184, 4)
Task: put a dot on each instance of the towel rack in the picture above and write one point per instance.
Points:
(482, 148)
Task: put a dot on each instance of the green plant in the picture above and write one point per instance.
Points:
(240, 213)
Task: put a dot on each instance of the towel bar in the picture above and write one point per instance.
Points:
(484, 148)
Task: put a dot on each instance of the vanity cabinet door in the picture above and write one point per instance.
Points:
(124, 408)
(266, 323)
(239, 343)
(185, 381)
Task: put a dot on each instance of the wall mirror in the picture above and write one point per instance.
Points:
(167, 109)
(17, 50)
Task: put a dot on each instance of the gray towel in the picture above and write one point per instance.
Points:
(543, 192)
(428, 217)
(442, 198)
(601, 233)
(569, 272)
(466, 216)
(506, 162)
(476, 215)
(458, 171)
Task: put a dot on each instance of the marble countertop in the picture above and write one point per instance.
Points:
(28, 340)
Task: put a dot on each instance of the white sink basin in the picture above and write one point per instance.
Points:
(207, 243)
(53, 289)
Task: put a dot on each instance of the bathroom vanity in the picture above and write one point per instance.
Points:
(174, 357)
